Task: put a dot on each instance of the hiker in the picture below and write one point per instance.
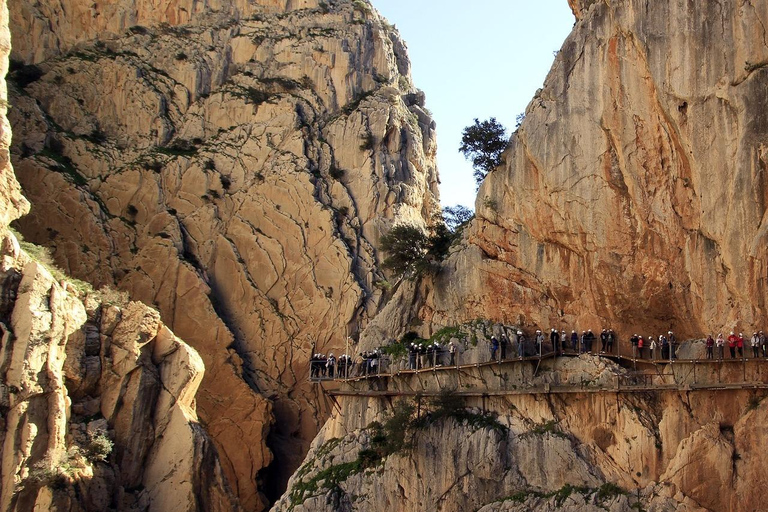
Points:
(563, 340)
(520, 344)
(452, 351)
(640, 345)
(494, 347)
(672, 345)
(664, 342)
(710, 347)
(590, 340)
(720, 344)
(740, 345)
(412, 351)
(633, 340)
(575, 341)
(762, 343)
(603, 340)
(314, 368)
(539, 340)
(331, 364)
(503, 344)
(554, 338)
(652, 347)
(321, 362)
(732, 344)
(611, 336)
(423, 356)
(755, 342)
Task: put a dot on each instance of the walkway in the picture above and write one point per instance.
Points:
(548, 374)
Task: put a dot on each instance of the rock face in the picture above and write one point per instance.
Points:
(662, 451)
(634, 192)
(232, 164)
(97, 401)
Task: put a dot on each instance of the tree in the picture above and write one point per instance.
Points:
(411, 251)
(406, 247)
(483, 143)
(455, 217)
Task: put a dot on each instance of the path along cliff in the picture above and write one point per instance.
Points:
(491, 438)
(232, 164)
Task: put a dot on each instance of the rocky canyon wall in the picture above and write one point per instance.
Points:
(232, 164)
(97, 401)
(634, 192)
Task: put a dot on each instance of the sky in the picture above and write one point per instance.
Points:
(476, 59)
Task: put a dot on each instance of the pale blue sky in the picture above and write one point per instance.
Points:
(476, 59)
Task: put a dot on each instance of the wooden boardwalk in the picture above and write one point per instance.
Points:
(640, 376)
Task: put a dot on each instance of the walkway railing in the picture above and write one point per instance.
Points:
(642, 375)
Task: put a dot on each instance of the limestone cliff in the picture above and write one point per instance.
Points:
(634, 192)
(232, 164)
(661, 451)
(97, 402)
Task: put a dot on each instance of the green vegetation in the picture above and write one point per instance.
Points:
(43, 256)
(336, 173)
(445, 334)
(548, 427)
(457, 217)
(99, 447)
(483, 143)
(491, 204)
(754, 402)
(450, 405)
(396, 350)
(605, 492)
(412, 252)
(368, 142)
(362, 7)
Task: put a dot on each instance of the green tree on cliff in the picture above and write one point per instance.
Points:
(483, 143)
(411, 251)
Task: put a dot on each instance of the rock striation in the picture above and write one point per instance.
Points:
(232, 164)
(634, 193)
(97, 400)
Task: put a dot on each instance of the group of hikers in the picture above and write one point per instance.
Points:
(421, 355)
(559, 341)
(736, 344)
(426, 355)
(366, 363)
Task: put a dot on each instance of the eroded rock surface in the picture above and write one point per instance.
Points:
(97, 402)
(233, 165)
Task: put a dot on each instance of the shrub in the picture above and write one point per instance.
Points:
(336, 173)
(99, 447)
(368, 142)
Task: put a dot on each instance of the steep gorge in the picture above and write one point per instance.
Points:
(233, 165)
(634, 192)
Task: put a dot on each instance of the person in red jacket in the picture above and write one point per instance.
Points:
(740, 345)
(732, 344)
